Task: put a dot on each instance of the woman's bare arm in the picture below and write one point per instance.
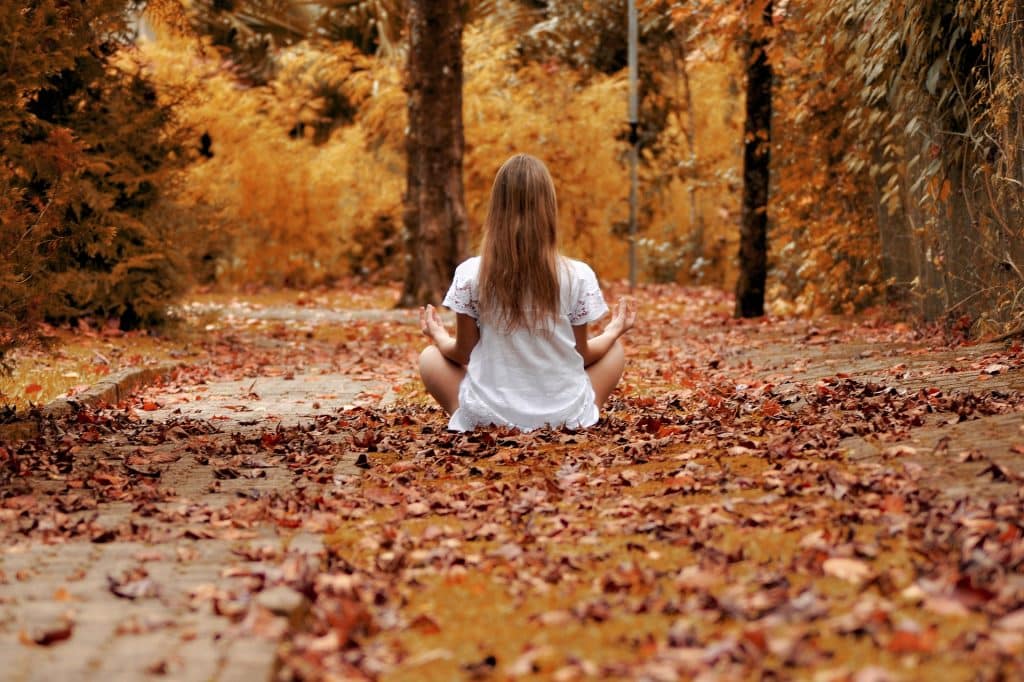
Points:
(593, 349)
(456, 348)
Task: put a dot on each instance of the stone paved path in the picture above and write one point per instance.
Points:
(183, 584)
(169, 629)
(937, 446)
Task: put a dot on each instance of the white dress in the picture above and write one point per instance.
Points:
(524, 379)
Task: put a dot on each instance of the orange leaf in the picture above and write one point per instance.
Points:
(893, 504)
(851, 570)
(33, 388)
(947, 189)
(905, 642)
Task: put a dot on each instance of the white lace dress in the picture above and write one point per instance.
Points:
(524, 379)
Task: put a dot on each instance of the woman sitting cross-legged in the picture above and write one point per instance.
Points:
(521, 355)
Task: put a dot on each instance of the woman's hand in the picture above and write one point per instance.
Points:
(432, 326)
(456, 348)
(623, 318)
(593, 349)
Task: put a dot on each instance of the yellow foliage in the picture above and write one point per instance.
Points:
(290, 209)
(295, 213)
(542, 110)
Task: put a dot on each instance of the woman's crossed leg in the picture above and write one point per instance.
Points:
(442, 377)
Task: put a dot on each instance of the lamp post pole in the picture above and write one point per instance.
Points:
(634, 140)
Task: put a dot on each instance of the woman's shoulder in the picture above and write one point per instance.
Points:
(468, 268)
(462, 294)
(579, 269)
(466, 272)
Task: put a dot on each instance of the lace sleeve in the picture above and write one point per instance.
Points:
(461, 296)
(589, 305)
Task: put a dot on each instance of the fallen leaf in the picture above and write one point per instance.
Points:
(425, 625)
(50, 634)
(910, 642)
(1012, 621)
(851, 570)
(899, 451)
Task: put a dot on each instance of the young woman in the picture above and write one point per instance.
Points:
(521, 355)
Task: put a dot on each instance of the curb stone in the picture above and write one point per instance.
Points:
(110, 390)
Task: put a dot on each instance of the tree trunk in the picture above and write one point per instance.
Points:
(690, 130)
(435, 213)
(753, 254)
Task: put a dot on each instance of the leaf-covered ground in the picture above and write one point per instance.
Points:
(822, 499)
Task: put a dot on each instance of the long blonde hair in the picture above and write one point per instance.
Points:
(519, 259)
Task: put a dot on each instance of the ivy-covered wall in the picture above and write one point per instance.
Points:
(917, 119)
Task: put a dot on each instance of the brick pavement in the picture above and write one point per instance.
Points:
(169, 629)
(937, 447)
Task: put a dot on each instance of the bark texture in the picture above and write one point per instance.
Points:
(753, 256)
(435, 213)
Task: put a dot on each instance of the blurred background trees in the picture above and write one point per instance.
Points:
(91, 149)
(151, 145)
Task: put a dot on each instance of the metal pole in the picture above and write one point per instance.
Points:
(634, 140)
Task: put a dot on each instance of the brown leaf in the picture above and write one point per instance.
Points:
(51, 634)
(899, 451)
(347, 619)
(908, 642)
(382, 496)
(893, 504)
(417, 509)
(425, 625)
(135, 584)
(139, 458)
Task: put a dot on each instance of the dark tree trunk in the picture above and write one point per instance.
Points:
(753, 268)
(435, 213)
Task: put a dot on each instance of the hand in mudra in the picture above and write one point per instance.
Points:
(623, 318)
(431, 324)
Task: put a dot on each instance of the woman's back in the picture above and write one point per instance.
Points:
(525, 376)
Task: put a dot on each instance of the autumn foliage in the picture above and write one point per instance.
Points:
(90, 149)
(907, 182)
(150, 146)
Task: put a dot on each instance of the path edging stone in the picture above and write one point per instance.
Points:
(111, 390)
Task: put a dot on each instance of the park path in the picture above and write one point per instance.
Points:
(180, 535)
(132, 589)
(940, 443)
